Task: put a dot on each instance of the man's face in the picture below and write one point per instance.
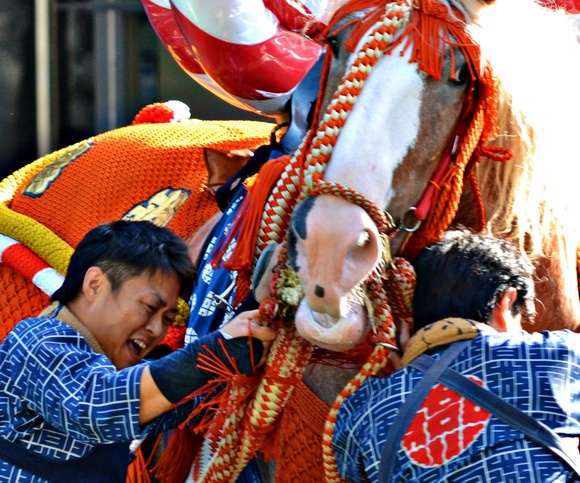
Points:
(130, 322)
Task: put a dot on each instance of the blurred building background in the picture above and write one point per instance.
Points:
(73, 69)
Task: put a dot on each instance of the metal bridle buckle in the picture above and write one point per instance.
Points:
(220, 299)
(407, 217)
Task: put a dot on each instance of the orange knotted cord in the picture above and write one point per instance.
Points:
(482, 127)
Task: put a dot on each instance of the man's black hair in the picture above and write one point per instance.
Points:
(126, 249)
(465, 274)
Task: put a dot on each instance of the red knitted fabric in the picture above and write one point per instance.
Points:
(107, 176)
(300, 449)
(19, 299)
(150, 171)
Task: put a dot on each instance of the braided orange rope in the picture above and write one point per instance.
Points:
(225, 445)
(290, 355)
(318, 156)
(319, 152)
(248, 426)
(400, 278)
(377, 43)
(376, 362)
(277, 214)
(400, 289)
(312, 157)
(336, 189)
(446, 201)
(274, 225)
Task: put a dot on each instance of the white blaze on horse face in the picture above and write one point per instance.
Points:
(381, 128)
(342, 245)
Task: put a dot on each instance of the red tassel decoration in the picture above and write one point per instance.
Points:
(247, 223)
(175, 463)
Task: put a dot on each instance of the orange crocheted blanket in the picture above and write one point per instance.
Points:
(154, 171)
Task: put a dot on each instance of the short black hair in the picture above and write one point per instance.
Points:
(465, 274)
(126, 249)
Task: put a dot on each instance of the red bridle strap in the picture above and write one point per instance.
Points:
(421, 208)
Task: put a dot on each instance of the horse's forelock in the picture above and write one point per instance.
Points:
(434, 25)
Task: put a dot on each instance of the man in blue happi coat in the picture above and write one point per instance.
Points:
(75, 388)
(472, 289)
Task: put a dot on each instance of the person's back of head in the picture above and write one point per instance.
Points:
(464, 275)
(125, 249)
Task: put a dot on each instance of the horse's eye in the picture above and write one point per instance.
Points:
(332, 41)
(460, 76)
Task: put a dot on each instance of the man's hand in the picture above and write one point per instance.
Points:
(247, 324)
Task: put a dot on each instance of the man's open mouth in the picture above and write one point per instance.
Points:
(138, 346)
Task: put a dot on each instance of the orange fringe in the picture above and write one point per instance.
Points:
(185, 442)
(177, 459)
(427, 32)
(247, 223)
(430, 29)
(138, 471)
(300, 447)
(364, 23)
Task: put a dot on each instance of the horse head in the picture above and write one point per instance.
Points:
(406, 116)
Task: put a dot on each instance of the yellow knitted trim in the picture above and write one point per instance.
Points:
(41, 240)
(443, 332)
(182, 317)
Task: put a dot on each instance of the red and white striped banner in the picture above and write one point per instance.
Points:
(22, 259)
(251, 54)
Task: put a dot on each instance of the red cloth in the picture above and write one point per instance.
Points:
(571, 6)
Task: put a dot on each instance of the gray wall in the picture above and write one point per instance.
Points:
(84, 81)
(17, 106)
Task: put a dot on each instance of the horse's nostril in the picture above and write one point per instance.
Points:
(319, 291)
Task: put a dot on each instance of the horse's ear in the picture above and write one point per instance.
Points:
(222, 165)
(262, 276)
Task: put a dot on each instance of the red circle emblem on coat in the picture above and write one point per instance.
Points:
(445, 425)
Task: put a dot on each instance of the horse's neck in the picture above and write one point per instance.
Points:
(327, 381)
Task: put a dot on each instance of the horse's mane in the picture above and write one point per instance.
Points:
(535, 54)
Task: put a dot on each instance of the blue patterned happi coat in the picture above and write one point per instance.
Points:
(214, 286)
(452, 440)
(63, 402)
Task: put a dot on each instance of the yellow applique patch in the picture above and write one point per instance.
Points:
(159, 208)
(41, 182)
